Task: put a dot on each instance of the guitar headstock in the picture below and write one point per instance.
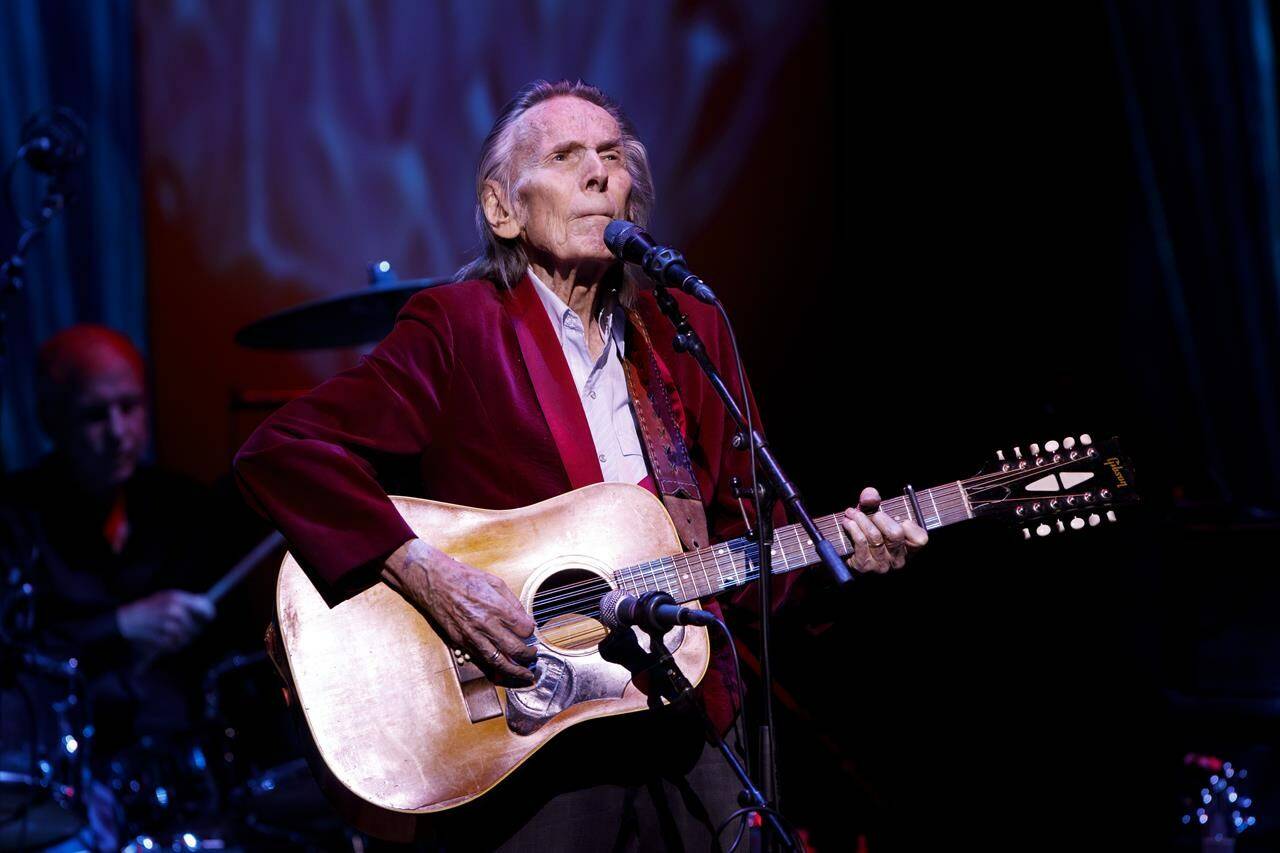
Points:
(1064, 484)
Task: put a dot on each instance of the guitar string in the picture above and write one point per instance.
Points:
(748, 576)
(668, 570)
(595, 614)
(942, 507)
(555, 605)
(665, 565)
(667, 573)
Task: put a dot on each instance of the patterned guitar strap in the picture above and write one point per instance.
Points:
(652, 401)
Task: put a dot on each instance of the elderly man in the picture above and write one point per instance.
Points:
(508, 388)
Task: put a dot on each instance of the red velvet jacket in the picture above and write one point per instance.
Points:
(469, 400)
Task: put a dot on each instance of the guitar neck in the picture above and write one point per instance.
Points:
(728, 565)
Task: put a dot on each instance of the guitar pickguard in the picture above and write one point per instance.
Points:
(567, 680)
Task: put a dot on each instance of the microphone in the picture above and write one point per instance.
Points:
(654, 612)
(53, 141)
(631, 243)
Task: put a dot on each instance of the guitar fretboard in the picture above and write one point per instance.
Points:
(711, 570)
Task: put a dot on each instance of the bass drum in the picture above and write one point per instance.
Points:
(43, 741)
(259, 756)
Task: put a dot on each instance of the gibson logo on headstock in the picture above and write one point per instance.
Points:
(1114, 464)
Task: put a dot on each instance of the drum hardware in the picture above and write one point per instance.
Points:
(348, 319)
(44, 744)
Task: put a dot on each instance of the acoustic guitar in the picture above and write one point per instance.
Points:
(400, 724)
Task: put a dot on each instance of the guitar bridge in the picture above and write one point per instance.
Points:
(478, 692)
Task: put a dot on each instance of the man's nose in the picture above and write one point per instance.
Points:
(595, 175)
(116, 422)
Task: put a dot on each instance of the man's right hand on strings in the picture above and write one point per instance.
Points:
(474, 610)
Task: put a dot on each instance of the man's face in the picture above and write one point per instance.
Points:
(572, 181)
(105, 426)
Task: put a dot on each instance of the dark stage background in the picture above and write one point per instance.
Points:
(939, 231)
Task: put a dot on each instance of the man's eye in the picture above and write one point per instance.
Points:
(559, 158)
(92, 414)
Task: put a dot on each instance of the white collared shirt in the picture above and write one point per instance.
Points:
(601, 384)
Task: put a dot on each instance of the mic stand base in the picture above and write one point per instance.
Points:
(678, 691)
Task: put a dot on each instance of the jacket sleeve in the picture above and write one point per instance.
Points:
(314, 467)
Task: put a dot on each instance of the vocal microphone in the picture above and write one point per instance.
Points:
(631, 243)
(653, 611)
(53, 141)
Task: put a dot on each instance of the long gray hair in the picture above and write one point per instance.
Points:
(504, 261)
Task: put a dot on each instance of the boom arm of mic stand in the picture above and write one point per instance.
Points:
(687, 340)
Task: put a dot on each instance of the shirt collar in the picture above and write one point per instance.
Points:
(611, 315)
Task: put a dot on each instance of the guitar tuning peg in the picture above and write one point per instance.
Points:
(1017, 452)
(1094, 519)
(1068, 443)
(1085, 440)
(1000, 455)
(1051, 446)
(1111, 515)
(1044, 530)
(1077, 523)
(1035, 450)
(1062, 528)
(1026, 534)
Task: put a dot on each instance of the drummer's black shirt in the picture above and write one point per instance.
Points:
(54, 536)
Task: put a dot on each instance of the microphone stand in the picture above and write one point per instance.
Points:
(776, 485)
(12, 271)
(678, 690)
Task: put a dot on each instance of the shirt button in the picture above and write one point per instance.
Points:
(592, 395)
(602, 457)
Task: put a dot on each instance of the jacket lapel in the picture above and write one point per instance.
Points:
(553, 385)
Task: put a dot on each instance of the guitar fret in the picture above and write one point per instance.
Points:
(725, 581)
(702, 567)
(806, 545)
(936, 514)
(968, 509)
(846, 545)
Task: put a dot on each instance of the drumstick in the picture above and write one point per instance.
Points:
(242, 569)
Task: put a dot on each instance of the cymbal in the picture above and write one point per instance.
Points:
(346, 320)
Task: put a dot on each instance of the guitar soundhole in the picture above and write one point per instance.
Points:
(566, 608)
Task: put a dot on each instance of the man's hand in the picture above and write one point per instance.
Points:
(164, 621)
(474, 610)
(879, 542)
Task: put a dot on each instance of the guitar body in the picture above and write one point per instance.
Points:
(399, 725)
(406, 725)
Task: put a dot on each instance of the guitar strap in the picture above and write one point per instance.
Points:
(659, 416)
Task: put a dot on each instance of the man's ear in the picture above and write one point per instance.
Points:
(497, 210)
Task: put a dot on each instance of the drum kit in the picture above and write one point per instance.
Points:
(237, 781)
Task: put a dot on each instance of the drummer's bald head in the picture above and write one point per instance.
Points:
(72, 358)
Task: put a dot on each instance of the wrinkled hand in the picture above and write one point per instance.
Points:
(879, 542)
(472, 609)
(164, 621)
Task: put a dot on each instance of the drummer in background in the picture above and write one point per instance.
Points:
(110, 543)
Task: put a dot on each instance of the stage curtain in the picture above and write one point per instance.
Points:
(1198, 90)
(90, 265)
